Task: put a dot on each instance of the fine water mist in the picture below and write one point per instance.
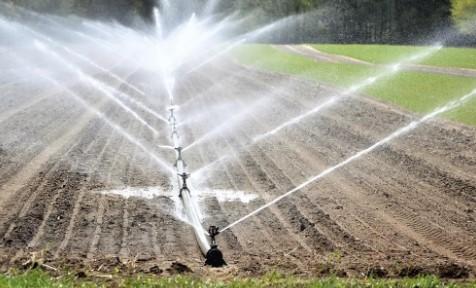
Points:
(402, 131)
(150, 85)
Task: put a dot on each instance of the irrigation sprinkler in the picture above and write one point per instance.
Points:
(214, 255)
(206, 241)
(172, 118)
(184, 176)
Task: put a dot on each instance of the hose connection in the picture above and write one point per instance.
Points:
(214, 257)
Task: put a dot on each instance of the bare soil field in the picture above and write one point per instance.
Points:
(406, 209)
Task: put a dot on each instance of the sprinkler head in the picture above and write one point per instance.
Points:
(172, 118)
(184, 177)
(173, 108)
(213, 231)
(214, 256)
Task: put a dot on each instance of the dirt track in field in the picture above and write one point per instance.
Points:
(317, 55)
(405, 209)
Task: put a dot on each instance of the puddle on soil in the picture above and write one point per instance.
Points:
(198, 196)
(201, 194)
(139, 192)
(228, 196)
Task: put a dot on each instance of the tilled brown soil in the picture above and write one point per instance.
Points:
(407, 208)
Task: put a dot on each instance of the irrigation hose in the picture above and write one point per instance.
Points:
(214, 257)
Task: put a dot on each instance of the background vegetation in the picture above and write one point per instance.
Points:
(331, 21)
(386, 54)
(415, 91)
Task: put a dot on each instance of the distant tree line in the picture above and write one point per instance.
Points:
(334, 21)
(368, 21)
(125, 11)
(464, 16)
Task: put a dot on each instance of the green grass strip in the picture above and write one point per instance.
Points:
(415, 91)
(40, 279)
(384, 54)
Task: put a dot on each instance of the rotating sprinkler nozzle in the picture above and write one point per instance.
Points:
(172, 118)
(184, 176)
(214, 255)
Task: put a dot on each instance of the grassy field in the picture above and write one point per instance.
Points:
(384, 54)
(415, 91)
(39, 279)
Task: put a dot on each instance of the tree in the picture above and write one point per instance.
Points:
(341, 21)
(464, 15)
